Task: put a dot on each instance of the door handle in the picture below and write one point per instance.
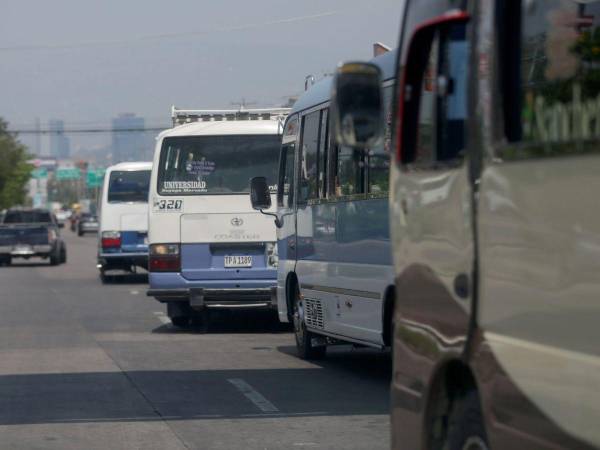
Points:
(462, 285)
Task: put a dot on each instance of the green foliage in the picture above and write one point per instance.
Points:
(14, 169)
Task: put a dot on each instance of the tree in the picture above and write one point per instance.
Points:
(14, 169)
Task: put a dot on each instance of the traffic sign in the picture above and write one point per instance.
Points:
(71, 173)
(41, 172)
(95, 177)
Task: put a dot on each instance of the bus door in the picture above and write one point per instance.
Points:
(539, 222)
(316, 221)
(432, 221)
(286, 201)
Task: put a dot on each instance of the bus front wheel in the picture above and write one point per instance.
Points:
(466, 430)
(305, 338)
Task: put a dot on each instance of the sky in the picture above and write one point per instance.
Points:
(86, 61)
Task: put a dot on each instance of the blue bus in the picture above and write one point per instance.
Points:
(335, 277)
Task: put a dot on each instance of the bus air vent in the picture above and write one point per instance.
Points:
(313, 313)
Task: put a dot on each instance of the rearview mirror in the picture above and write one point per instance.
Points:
(357, 105)
(260, 194)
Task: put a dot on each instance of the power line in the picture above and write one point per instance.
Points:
(155, 37)
(91, 130)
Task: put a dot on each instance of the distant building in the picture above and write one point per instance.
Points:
(60, 146)
(128, 144)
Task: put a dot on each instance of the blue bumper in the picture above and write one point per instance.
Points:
(133, 252)
(215, 293)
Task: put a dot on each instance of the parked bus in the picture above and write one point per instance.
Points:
(495, 227)
(335, 280)
(123, 211)
(208, 248)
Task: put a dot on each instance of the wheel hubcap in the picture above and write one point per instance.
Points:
(475, 443)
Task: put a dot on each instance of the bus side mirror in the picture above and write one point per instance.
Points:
(260, 194)
(357, 105)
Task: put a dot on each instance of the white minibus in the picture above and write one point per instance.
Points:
(123, 211)
(335, 280)
(208, 248)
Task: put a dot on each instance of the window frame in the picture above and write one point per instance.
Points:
(410, 81)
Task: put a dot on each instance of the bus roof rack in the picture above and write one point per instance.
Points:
(183, 116)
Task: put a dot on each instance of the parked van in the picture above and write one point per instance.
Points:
(495, 229)
(208, 248)
(335, 278)
(123, 211)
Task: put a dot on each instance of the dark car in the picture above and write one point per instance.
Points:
(87, 223)
(27, 233)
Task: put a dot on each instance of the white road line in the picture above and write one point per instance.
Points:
(253, 395)
(282, 414)
(162, 317)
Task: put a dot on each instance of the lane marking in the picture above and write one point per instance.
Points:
(162, 317)
(281, 414)
(253, 395)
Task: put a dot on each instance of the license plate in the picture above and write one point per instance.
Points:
(238, 261)
(22, 250)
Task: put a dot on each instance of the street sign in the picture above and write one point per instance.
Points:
(95, 177)
(71, 173)
(41, 172)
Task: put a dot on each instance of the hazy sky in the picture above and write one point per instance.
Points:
(86, 61)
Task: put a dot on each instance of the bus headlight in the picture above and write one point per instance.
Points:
(272, 255)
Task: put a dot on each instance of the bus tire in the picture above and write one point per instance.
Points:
(304, 337)
(181, 321)
(180, 314)
(466, 430)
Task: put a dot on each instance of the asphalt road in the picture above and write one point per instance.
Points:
(91, 366)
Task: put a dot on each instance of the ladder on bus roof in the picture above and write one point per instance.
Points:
(183, 116)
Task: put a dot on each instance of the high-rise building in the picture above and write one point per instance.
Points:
(129, 144)
(60, 146)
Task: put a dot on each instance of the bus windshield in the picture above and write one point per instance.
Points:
(196, 165)
(128, 186)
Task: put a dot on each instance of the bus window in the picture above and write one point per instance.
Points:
(323, 149)
(560, 92)
(379, 157)
(209, 165)
(440, 134)
(349, 172)
(309, 158)
(128, 186)
(285, 191)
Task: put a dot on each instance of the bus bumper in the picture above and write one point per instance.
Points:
(122, 260)
(237, 294)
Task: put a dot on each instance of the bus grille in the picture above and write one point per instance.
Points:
(313, 313)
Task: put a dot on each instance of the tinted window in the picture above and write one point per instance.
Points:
(128, 186)
(196, 165)
(560, 72)
(309, 157)
(442, 101)
(285, 191)
(27, 217)
(349, 178)
(379, 157)
(323, 149)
